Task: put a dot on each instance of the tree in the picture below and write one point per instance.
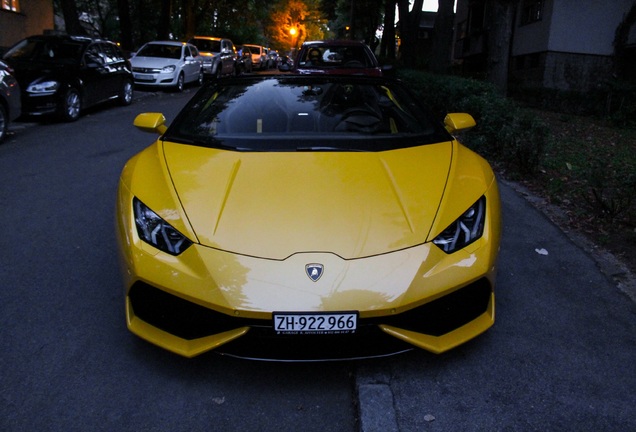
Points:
(387, 45)
(294, 21)
(500, 24)
(409, 25)
(71, 18)
(125, 25)
(442, 44)
(623, 61)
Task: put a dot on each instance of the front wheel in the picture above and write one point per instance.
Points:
(180, 83)
(71, 105)
(126, 93)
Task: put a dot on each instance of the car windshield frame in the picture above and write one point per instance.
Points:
(206, 45)
(47, 50)
(161, 50)
(305, 113)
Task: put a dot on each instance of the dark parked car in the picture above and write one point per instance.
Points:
(63, 75)
(9, 98)
(244, 61)
(335, 57)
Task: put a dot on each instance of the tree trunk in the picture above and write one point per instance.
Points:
(71, 18)
(387, 45)
(409, 26)
(442, 37)
(125, 25)
(163, 32)
(190, 22)
(500, 21)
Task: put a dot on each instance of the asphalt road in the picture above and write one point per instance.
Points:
(561, 355)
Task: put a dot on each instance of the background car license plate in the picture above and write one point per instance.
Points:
(315, 323)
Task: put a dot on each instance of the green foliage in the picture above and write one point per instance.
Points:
(505, 133)
(611, 100)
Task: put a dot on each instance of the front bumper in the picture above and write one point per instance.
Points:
(189, 329)
(40, 105)
(155, 79)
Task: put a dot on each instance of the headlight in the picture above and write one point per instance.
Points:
(168, 69)
(465, 230)
(157, 232)
(43, 87)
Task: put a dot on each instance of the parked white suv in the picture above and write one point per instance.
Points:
(219, 55)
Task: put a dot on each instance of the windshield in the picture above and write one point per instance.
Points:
(162, 51)
(324, 56)
(301, 113)
(53, 50)
(207, 45)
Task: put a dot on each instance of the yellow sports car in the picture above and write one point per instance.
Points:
(288, 217)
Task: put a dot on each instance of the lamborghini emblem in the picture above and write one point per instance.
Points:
(314, 271)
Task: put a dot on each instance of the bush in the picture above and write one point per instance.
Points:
(505, 133)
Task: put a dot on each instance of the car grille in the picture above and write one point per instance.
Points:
(146, 70)
(191, 321)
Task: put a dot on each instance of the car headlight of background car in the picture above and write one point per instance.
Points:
(157, 232)
(43, 87)
(465, 230)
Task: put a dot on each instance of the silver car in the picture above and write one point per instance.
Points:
(167, 64)
(10, 103)
(219, 55)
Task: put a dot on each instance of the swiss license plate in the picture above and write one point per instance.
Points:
(315, 322)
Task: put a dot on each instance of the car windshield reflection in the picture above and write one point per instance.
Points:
(301, 114)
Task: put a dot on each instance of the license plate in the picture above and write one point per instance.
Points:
(315, 322)
(144, 77)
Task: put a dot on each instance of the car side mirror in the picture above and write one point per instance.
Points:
(458, 122)
(151, 122)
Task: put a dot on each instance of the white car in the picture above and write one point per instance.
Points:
(167, 64)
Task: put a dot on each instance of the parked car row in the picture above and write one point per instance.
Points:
(62, 75)
(59, 75)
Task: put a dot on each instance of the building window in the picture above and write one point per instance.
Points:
(11, 5)
(531, 11)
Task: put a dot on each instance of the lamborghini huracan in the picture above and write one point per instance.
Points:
(307, 218)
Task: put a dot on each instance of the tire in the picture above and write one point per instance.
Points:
(4, 123)
(71, 105)
(180, 83)
(126, 93)
(201, 78)
(219, 71)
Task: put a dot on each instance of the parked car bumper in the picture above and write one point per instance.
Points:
(155, 79)
(40, 105)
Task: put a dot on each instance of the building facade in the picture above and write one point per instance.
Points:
(556, 44)
(22, 18)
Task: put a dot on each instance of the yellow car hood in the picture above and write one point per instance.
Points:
(273, 205)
